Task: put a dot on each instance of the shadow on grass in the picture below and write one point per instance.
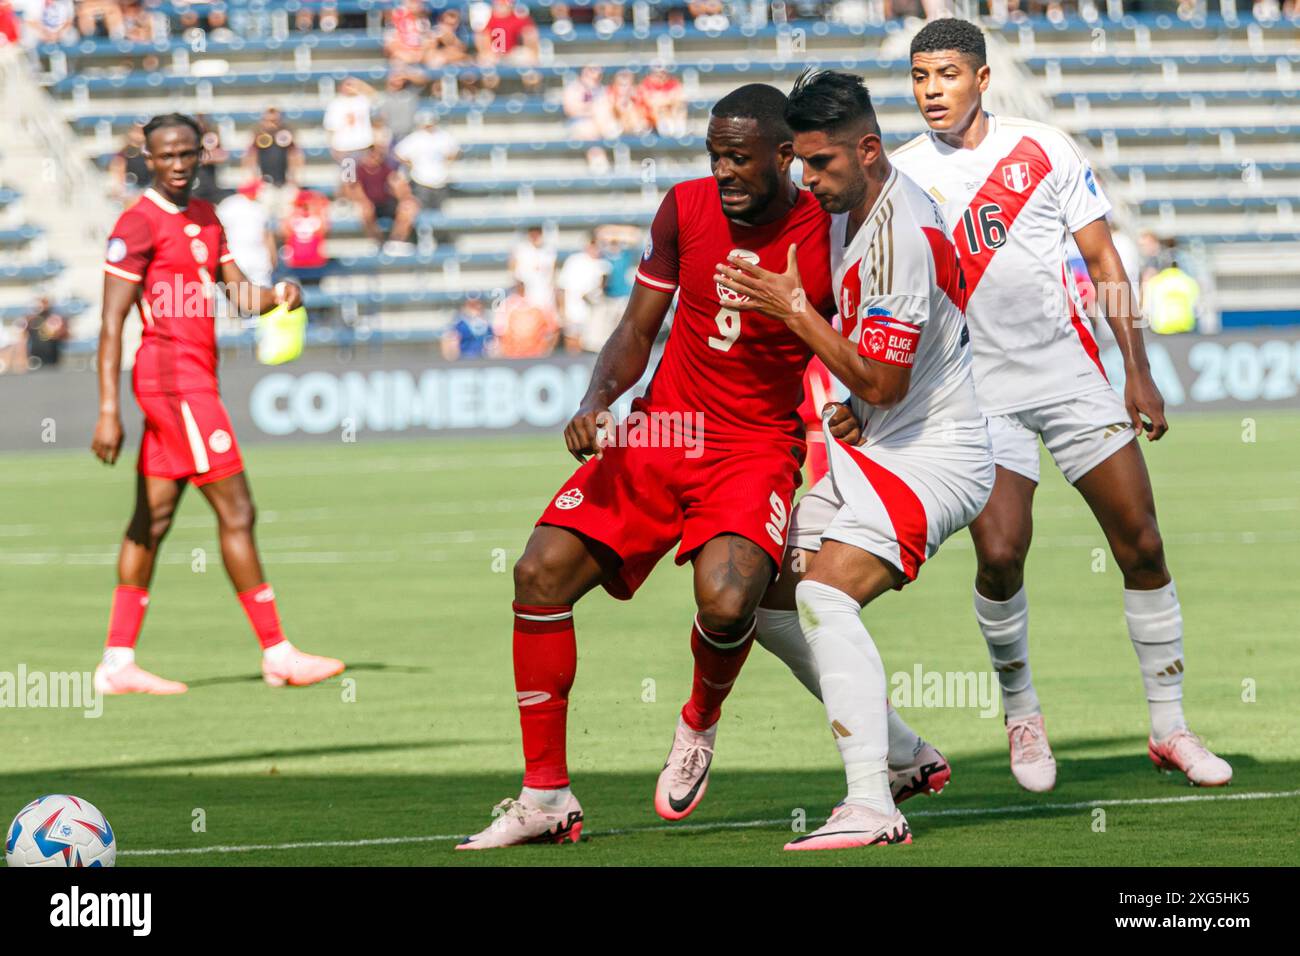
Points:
(413, 819)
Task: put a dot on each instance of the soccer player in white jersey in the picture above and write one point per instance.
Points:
(924, 467)
(1014, 192)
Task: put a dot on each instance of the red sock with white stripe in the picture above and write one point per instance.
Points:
(718, 659)
(124, 623)
(259, 605)
(546, 659)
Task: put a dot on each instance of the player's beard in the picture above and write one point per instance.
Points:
(853, 195)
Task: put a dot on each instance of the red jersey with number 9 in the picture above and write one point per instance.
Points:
(742, 369)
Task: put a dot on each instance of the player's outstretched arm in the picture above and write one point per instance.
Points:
(619, 366)
(781, 296)
(1117, 300)
(256, 299)
(119, 296)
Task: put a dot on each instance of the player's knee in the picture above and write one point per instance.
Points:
(537, 580)
(1145, 554)
(160, 522)
(1001, 567)
(726, 609)
(238, 518)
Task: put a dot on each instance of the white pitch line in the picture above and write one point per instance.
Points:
(726, 825)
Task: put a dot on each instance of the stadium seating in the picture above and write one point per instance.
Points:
(1191, 123)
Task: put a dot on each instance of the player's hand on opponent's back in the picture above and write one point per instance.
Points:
(588, 431)
(107, 443)
(1143, 398)
(844, 424)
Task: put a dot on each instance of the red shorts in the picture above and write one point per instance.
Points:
(187, 435)
(641, 501)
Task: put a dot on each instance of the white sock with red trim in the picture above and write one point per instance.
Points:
(853, 688)
(1005, 625)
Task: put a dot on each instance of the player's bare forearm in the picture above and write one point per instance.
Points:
(119, 294)
(252, 299)
(873, 382)
(1141, 396)
(623, 359)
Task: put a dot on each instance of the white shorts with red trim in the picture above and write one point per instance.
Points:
(899, 506)
(1080, 433)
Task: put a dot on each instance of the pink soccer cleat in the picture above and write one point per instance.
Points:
(685, 776)
(1182, 750)
(928, 773)
(517, 822)
(853, 825)
(1032, 763)
(298, 668)
(133, 679)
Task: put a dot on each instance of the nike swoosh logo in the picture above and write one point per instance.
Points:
(529, 697)
(680, 805)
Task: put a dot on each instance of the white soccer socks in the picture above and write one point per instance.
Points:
(779, 633)
(853, 689)
(1005, 625)
(1155, 625)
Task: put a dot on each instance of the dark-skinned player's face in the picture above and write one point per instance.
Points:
(749, 168)
(833, 167)
(947, 86)
(173, 157)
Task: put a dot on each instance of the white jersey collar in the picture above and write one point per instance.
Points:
(161, 201)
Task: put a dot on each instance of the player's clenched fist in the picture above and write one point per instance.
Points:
(587, 432)
(844, 425)
(107, 443)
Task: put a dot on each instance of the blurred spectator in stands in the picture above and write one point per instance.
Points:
(304, 231)
(382, 192)
(450, 41)
(137, 24)
(128, 170)
(428, 154)
(248, 232)
(90, 11)
(470, 333)
(532, 265)
(406, 42)
(328, 20)
(10, 27)
(509, 35)
(399, 103)
(214, 156)
(13, 342)
(1129, 254)
(46, 333)
(50, 21)
(219, 25)
(347, 120)
(608, 17)
(665, 98)
(708, 14)
(524, 329)
(276, 158)
(561, 22)
(1149, 252)
(628, 105)
(621, 247)
(590, 114)
(1170, 300)
(581, 298)
(189, 28)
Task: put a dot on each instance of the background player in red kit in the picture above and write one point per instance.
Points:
(165, 255)
(730, 382)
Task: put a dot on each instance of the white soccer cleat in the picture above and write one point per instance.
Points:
(852, 825)
(685, 776)
(130, 678)
(927, 773)
(1183, 751)
(517, 823)
(1032, 763)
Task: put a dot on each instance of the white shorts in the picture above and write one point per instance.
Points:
(899, 507)
(1080, 433)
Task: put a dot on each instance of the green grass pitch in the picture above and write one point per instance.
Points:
(396, 556)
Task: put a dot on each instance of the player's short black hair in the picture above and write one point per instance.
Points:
(173, 119)
(764, 104)
(830, 101)
(949, 33)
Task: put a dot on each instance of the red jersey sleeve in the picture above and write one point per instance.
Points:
(224, 254)
(130, 247)
(658, 269)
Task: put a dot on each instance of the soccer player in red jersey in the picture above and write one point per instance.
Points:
(165, 256)
(712, 465)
